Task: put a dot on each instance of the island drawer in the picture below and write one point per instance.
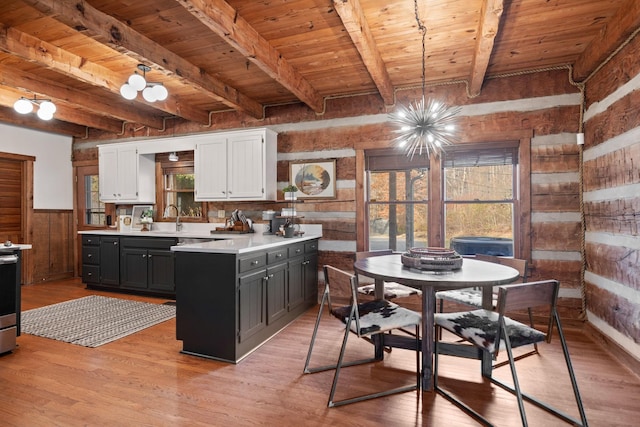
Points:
(295, 250)
(311, 247)
(252, 262)
(277, 256)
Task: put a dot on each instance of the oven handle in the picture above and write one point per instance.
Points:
(8, 259)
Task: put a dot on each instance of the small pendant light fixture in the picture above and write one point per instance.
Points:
(151, 91)
(173, 157)
(46, 108)
(423, 126)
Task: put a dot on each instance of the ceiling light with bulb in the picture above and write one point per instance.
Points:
(151, 91)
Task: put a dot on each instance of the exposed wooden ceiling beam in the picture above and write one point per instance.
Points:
(124, 39)
(32, 49)
(488, 26)
(620, 26)
(97, 104)
(353, 19)
(224, 20)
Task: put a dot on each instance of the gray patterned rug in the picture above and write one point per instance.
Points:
(94, 320)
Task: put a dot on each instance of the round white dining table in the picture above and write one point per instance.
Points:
(473, 273)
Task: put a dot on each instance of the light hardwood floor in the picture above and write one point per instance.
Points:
(144, 380)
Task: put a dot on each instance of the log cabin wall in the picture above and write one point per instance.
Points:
(543, 105)
(612, 202)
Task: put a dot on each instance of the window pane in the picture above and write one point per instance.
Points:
(185, 201)
(392, 186)
(398, 209)
(94, 208)
(493, 221)
(179, 181)
(479, 183)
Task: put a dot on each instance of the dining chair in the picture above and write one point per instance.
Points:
(472, 297)
(391, 289)
(491, 331)
(364, 319)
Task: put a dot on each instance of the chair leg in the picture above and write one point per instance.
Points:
(569, 419)
(340, 365)
(306, 369)
(449, 396)
(514, 376)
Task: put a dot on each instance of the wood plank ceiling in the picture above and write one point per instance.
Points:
(247, 55)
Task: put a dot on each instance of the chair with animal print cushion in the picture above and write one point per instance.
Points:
(392, 290)
(492, 331)
(365, 319)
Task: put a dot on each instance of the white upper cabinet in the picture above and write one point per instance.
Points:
(236, 166)
(125, 175)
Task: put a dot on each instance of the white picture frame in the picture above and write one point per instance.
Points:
(136, 215)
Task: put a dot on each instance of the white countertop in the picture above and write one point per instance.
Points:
(21, 246)
(232, 243)
(237, 244)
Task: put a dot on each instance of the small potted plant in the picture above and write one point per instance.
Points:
(146, 219)
(290, 192)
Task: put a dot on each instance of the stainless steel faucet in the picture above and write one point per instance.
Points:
(178, 223)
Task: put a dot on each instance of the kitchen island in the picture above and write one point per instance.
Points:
(233, 295)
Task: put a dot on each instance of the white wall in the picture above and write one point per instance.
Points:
(53, 172)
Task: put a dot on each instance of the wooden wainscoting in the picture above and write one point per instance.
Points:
(53, 240)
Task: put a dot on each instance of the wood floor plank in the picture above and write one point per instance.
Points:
(144, 380)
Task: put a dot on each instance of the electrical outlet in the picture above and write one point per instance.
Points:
(221, 213)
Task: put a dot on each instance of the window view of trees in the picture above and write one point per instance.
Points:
(478, 197)
(479, 202)
(398, 209)
(179, 191)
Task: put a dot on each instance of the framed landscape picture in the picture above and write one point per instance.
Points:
(314, 179)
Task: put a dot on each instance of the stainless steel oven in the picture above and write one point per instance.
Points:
(9, 299)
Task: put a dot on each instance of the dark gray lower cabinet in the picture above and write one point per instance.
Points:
(228, 305)
(133, 264)
(110, 261)
(147, 264)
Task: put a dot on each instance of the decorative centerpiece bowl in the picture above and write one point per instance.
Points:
(432, 259)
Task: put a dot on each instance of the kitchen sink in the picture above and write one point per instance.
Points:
(190, 240)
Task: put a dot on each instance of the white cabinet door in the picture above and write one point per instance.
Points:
(108, 173)
(210, 169)
(246, 166)
(237, 165)
(128, 174)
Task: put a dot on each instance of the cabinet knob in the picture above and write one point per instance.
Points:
(89, 274)
(89, 255)
(278, 255)
(144, 255)
(256, 262)
(150, 255)
(306, 262)
(298, 251)
(115, 243)
(270, 276)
